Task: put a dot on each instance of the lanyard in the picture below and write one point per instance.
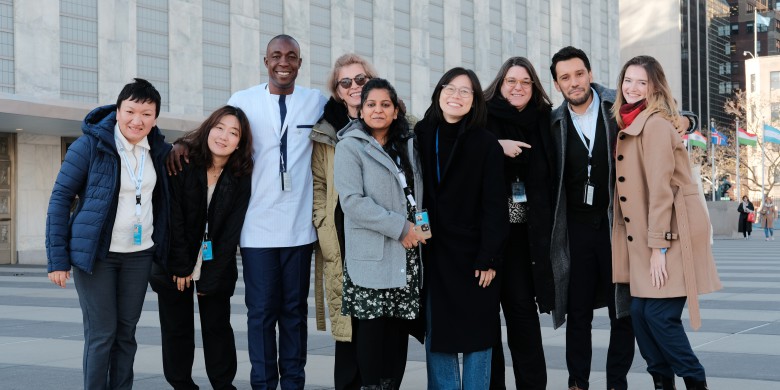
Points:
(405, 185)
(584, 142)
(283, 140)
(137, 179)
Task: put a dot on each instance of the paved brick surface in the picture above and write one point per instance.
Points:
(739, 342)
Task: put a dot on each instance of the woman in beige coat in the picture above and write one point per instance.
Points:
(768, 213)
(661, 229)
(350, 73)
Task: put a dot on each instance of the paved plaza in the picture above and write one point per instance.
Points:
(739, 342)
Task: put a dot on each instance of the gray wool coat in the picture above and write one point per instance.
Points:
(559, 254)
(374, 206)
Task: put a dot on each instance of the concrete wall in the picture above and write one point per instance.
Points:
(724, 218)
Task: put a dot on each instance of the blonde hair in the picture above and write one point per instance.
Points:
(346, 60)
(659, 95)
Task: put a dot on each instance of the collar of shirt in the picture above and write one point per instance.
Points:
(587, 120)
(123, 142)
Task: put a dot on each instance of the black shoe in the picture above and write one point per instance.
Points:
(693, 384)
(661, 382)
(388, 384)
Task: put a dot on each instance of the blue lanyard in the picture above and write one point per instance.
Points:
(438, 166)
(139, 179)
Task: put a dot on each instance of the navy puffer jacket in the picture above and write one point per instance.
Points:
(91, 170)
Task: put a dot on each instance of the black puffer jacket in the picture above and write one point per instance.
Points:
(188, 222)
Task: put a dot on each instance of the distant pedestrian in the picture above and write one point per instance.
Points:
(745, 208)
(768, 216)
(119, 226)
(661, 229)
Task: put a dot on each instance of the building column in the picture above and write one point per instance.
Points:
(185, 40)
(509, 30)
(384, 39)
(482, 41)
(246, 50)
(296, 17)
(36, 31)
(453, 53)
(421, 50)
(342, 28)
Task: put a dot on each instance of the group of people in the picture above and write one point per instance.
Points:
(766, 217)
(493, 200)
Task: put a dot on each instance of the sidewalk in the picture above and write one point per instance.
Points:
(739, 342)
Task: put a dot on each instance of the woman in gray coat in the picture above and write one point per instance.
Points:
(377, 176)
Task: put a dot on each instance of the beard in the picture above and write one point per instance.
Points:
(581, 100)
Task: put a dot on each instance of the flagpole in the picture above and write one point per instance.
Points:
(712, 160)
(737, 142)
(763, 161)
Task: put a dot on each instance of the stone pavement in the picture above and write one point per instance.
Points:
(739, 342)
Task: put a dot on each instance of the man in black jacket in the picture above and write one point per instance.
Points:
(583, 134)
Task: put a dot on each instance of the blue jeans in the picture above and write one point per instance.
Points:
(111, 300)
(769, 232)
(276, 291)
(444, 370)
(661, 338)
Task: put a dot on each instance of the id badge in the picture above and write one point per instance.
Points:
(587, 197)
(518, 192)
(421, 221)
(137, 233)
(286, 181)
(206, 251)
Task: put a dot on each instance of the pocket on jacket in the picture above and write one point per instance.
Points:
(364, 244)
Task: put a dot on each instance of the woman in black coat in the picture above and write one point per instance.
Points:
(463, 192)
(745, 207)
(209, 199)
(519, 116)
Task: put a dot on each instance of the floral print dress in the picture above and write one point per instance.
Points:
(369, 303)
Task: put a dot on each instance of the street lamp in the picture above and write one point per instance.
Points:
(747, 53)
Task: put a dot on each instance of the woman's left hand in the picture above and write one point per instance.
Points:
(658, 274)
(485, 277)
(182, 282)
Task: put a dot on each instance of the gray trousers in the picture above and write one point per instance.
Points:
(111, 300)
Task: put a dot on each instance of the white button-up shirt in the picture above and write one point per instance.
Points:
(276, 218)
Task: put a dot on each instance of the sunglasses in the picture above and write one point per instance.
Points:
(360, 80)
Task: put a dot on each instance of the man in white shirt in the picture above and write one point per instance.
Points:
(277, 237)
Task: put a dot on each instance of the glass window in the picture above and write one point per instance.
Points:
(78, 50)
(216, 54)
(749, 27)
(734, 28)
(7, 46)
(152, 51)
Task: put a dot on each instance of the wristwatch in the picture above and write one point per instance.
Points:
(663, 250)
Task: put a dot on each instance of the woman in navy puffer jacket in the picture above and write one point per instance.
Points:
(118, 227)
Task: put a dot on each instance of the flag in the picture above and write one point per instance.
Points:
(771, 134)
(696, 139)
(746, 138)
(716, 137)
(762, 21)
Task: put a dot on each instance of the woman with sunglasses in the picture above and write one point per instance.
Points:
(377, 175)
(463, 192)
(350, 73)
(209, 198)
(519, 115)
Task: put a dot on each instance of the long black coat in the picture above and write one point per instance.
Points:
(469, 221)
(744, 225)
(537, 166)
(226, 211)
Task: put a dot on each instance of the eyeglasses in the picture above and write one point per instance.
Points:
(360, 80)
(450, 90)
(526, 84)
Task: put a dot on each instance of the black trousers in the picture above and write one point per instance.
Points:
(346, 375)
(524, 334)
(381, 346)
(177, 328)
(591, 275)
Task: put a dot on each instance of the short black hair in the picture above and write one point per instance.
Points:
(283, 37)
(140, 91)
(476, 117)
(565, 54)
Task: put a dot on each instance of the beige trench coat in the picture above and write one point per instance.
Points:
(657, 205)
(328, 264)
(768, 215)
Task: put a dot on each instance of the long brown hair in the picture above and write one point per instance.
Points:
(538, 96)
(240, 161)
(659, 95)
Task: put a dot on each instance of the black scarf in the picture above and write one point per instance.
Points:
(522, 122)
(336, 114)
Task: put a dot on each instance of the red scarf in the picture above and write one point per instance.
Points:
(629, 111)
